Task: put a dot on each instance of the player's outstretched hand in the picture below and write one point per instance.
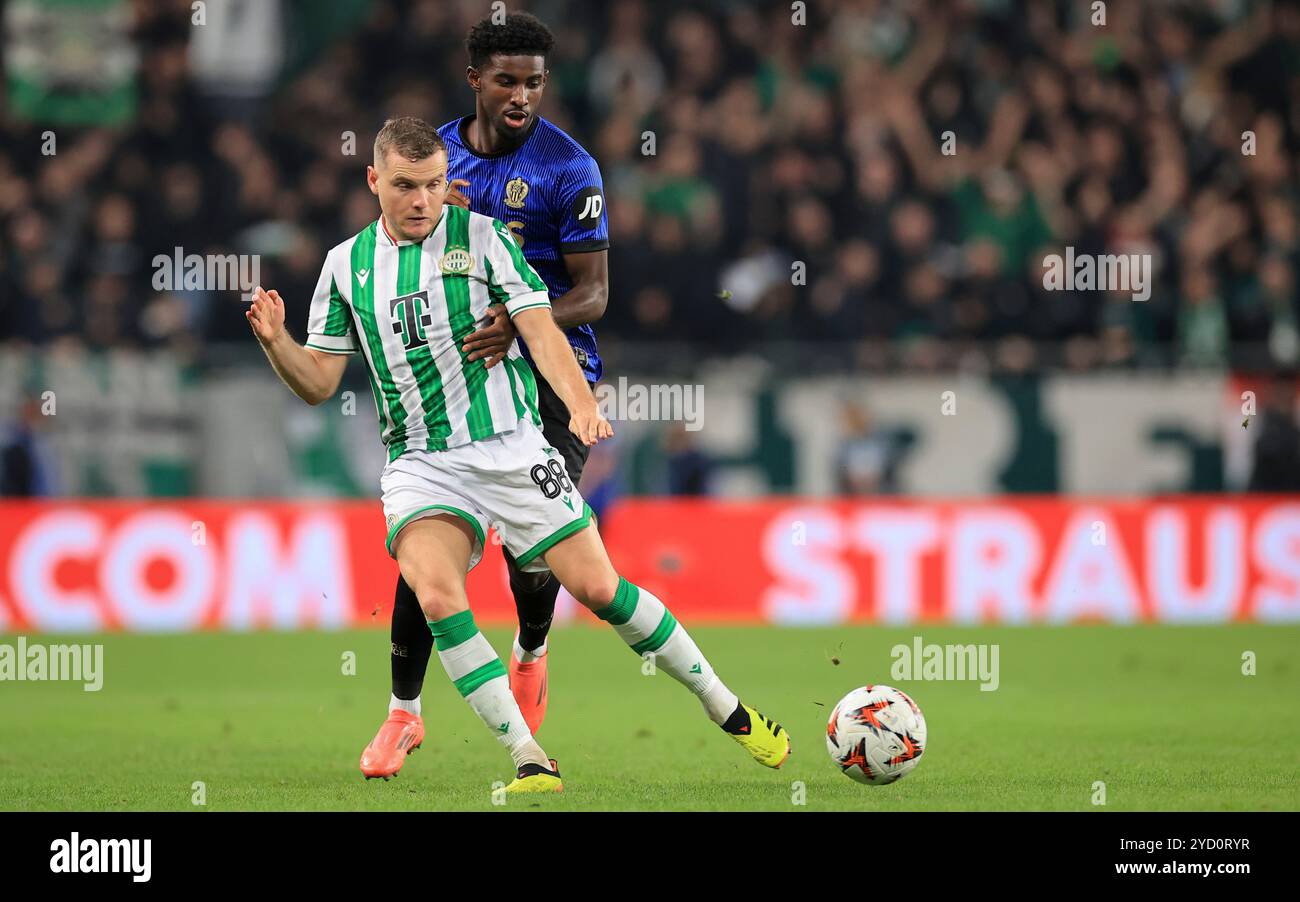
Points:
(455, 195)
(590, 426)
(493, 341)
(266, 315)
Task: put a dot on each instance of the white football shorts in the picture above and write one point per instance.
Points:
(514, 482)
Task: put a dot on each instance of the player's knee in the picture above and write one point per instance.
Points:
(439, 599)
(596, 591)
(529, 582)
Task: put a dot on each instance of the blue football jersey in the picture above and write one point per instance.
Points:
(549, 194)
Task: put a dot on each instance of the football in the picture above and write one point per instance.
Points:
(876, 735)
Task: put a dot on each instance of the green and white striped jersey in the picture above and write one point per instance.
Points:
(407, 307)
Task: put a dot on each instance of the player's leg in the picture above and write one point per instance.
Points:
(649, 628)
(411, 646)
(434, 555)
(535, 593)
(403, 730)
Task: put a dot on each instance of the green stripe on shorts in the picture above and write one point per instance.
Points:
(556, 537)
(467, 517)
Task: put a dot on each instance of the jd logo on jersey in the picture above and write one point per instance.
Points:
(410, 318)
(516, 191)
(588, 206)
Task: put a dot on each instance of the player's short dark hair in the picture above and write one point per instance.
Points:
(411, 138)
(522, 34)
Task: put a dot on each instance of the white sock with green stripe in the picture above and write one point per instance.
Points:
(480, 678)
(650, 628)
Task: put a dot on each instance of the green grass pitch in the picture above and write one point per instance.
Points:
(1162, 715)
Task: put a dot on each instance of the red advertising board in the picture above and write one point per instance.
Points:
(181, 565)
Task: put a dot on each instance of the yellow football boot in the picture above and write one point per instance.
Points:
(536, 778)
(762, 737)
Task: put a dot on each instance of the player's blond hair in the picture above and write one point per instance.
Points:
(411, 138)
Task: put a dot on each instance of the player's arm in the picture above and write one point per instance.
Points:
(312, 375)
(586, 301)
(526, 302)
(579, 202)
(555, 361)
(584, 243)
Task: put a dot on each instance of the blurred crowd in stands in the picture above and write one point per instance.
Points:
(884, 176)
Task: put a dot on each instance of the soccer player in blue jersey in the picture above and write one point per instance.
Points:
(508, 163)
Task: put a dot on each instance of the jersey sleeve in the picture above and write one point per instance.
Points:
(329, 322)
(511, 279)
(580, 206)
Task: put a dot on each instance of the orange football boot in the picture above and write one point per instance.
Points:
(400, 735)
(528, 686)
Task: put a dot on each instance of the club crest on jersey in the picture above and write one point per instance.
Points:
(456, 261)
(516, 191)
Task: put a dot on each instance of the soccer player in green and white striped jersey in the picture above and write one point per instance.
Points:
(429, 395)
(464, 448)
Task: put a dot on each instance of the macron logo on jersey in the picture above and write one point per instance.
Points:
(362, 275)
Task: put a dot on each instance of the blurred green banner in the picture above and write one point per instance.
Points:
(70, 62)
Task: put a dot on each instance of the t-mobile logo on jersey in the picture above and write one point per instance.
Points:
(411, 318)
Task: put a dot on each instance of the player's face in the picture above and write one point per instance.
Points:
(411, 194)
(510, 91)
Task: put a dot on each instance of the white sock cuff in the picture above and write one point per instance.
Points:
(411, 705)
(525, 656)
(526, 751)
(718, 701)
